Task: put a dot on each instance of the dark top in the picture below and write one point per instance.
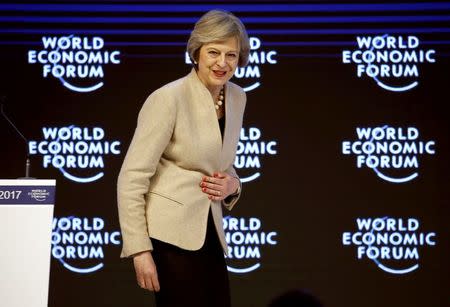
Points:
(222, 125)
(222, 129)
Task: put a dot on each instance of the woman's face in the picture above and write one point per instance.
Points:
(217, 62)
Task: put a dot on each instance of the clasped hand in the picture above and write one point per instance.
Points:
(219, 186)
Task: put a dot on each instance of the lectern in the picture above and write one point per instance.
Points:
(26, 213)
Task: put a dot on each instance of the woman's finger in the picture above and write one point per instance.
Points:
(212, 192)
(148, 282)
(212, 180)
(220, 175)
(140, 280)
(155, 282)
(212, 186)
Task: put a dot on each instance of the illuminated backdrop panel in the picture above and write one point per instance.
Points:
(343, 154)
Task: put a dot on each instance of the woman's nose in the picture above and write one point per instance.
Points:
(221, 60)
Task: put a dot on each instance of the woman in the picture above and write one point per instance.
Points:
(178, 171)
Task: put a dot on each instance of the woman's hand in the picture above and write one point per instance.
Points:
(146, 275)
(220, 186)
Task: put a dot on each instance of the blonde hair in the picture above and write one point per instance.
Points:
(218, 25)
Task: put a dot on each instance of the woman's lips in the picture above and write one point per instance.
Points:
(219, 74)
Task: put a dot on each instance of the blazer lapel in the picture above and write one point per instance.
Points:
(224, 147)
(230, 124)
(204, 101)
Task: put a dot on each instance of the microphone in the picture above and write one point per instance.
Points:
(27, 163)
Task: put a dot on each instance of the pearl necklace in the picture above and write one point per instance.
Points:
(219, 101)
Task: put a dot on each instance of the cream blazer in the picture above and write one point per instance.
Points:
(176, 142)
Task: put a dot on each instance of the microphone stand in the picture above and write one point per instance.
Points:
(28, 162)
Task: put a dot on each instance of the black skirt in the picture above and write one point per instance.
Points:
(192, 278)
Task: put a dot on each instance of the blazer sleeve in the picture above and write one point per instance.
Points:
(231, 200)
(154, 130)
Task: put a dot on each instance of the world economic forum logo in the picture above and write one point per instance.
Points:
(78, 152)
(245, 238)
(391, 152)
(39, 195)
(392, 61)
(393, 244)
(250, 150)
(78, 243)
(77, 62)
(250, 76)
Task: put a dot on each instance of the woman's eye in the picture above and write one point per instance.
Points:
(232, 55)
(213, 53)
